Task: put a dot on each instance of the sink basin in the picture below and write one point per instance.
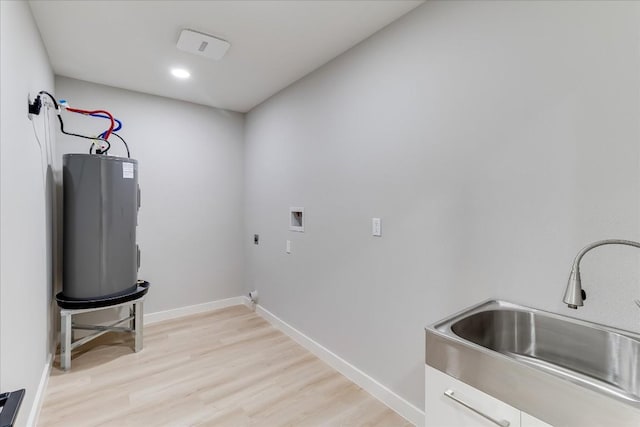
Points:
(559, 346)
(562, 370)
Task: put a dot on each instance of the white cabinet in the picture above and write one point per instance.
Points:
(452, 403)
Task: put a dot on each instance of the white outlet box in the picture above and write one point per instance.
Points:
(288, 246)
(296, 219)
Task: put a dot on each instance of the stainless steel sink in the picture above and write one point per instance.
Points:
(556, 345)
(559, 369)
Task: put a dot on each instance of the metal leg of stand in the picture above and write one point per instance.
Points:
(134, 322)
(138, 314)
(132, 314)
(65, 340)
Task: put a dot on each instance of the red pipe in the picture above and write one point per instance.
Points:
(113, 123)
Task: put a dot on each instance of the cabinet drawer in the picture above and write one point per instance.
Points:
(452, 403)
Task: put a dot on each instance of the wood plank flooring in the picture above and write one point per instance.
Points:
(224, 368)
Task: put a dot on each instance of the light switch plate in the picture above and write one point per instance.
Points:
(376, 225)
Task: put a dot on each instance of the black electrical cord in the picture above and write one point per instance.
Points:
(124, 142)
(93, 138)
(55, 103)
(44, 92)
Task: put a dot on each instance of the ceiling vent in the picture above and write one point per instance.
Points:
(202, 44)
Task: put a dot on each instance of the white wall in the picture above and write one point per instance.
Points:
(494, 139)
(25, 208)
(191, 176)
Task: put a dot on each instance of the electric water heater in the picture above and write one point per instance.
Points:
(101, 201)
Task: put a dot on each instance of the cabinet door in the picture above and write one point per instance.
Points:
(527, 420)
(452, 403)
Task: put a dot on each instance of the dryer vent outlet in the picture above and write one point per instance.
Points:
(253, 296)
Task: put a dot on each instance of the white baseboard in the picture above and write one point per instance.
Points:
(372, 386)
(38, 400)
(159, 316)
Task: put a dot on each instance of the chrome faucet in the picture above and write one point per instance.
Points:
(574, 295)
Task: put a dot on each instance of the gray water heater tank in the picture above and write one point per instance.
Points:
(100, 256)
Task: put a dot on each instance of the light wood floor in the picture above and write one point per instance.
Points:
(222, 368)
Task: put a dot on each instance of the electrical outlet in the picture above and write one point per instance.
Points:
(33, 107)
(256, 239)
(288, 246)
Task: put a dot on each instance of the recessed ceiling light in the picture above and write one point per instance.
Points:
(180, 73)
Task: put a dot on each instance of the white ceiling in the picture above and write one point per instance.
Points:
(132, 44)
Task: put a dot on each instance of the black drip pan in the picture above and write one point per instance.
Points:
(72, 303)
